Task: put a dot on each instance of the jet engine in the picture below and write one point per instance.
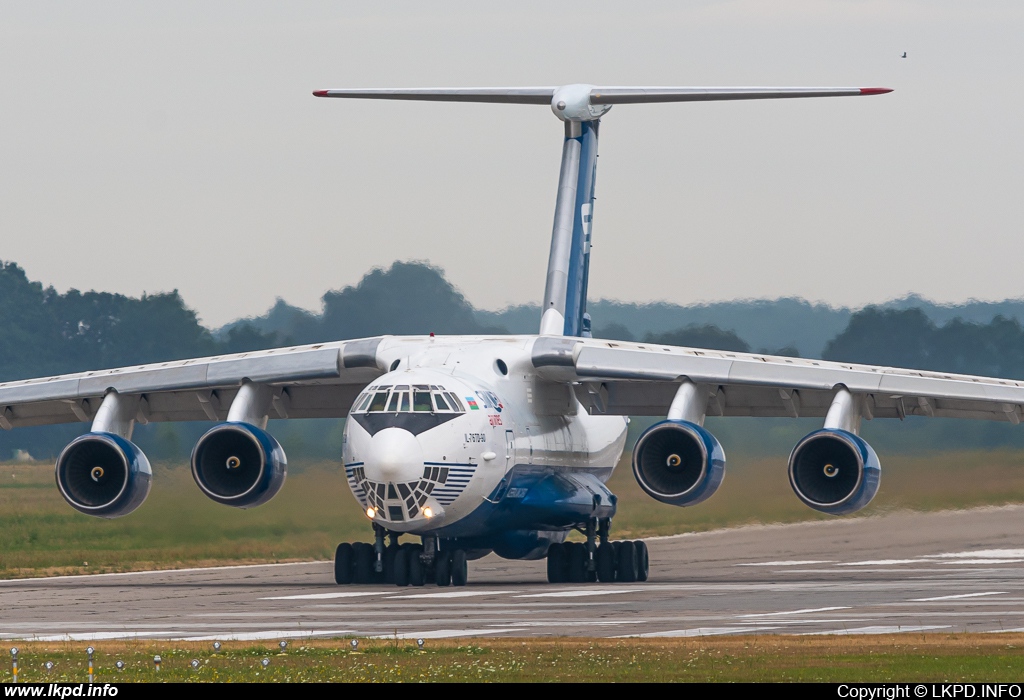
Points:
(103, 474)
(834, 471)
(239, 465)
(678, 462)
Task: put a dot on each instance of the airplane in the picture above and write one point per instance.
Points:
(503, 444)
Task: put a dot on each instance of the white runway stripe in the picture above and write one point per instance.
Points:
(807, 562)
(956, 597)
(881, 562)
(796, 612)
(980, 554)
(580, 593)
(265, 634)
(884, 629)
(700, 632)
(325, 596)
(448, 594)
(446, 634)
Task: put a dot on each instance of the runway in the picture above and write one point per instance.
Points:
(951, 571)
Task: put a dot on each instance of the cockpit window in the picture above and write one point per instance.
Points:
(420, 398)
(379, 401)
(363, 401)
(393, 404)
(421, 401)
(454, 401)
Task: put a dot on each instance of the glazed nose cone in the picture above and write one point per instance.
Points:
(394, 455)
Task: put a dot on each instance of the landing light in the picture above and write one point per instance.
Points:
(371, 513)
(428, 512)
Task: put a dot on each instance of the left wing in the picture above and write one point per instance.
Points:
(621, 378)
(308, 381)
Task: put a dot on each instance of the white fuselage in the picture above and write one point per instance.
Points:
(427, 443)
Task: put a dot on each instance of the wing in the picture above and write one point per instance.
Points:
(310, 381)
(622, 378)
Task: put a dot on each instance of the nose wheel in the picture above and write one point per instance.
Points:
(598, 559)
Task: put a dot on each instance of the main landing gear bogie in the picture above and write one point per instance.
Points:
(590, 561)
(400, 564)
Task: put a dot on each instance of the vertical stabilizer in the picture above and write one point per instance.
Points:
(565, 292)
(581, 107)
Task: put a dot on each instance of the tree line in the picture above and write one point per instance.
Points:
(44, 332)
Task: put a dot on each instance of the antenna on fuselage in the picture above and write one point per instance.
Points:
(581, 108)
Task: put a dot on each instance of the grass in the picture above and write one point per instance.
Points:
(178, 526)
(892, 658)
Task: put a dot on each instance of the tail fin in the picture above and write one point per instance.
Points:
(581, 108)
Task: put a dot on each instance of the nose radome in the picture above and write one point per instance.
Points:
(394, 455)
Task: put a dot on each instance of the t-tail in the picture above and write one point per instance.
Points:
(581, 107)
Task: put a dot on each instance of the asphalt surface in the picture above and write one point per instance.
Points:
(952, 571)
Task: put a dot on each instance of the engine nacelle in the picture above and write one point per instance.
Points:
(239, 465)
(103, 474)
(834, 471)
(678, 462)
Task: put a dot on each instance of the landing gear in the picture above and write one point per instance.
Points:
(598, 559)
(400, 564)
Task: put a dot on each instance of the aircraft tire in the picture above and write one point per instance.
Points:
(389, 562)
(343, 564)
(460, 568)
(605, 562)
(625, 567)
(362, 569)
(643, 563)
(400, 567)
(557, 563)
(417, 574)
(443, 569)
(577, 562)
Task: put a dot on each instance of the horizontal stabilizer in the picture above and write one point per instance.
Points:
(528, 96)
(597, 95)
(636, 95)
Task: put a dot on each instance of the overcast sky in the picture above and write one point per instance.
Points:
(176, 145)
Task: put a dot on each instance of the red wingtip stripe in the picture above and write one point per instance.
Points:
(320, 93)
(874, 91)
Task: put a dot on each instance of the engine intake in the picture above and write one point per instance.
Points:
(239, 465)
(103, 474)
(678, 462)
(834, 471)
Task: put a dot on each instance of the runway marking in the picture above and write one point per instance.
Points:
(956, 597)
(580, 592)
(265, 634)
(807, 562)
(698, 632)
(324, 596)
(884, 629)
(880, 562)
(448, 594)
(796, 612)
(445, 634)
(982, 561)
(576, 623)
(980, 554)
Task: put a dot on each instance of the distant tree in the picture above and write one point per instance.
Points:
(705, 336)
(407, 298)
(902, 338)
(245, 337)
(613, 331)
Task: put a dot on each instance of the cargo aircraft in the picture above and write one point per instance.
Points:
(468, 445)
